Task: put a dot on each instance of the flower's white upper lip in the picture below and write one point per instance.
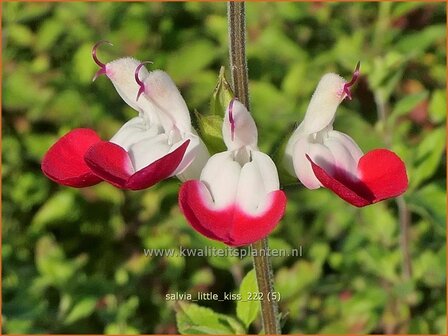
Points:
(238, 128)
(242, 175)
(164, 121)
(332, 150)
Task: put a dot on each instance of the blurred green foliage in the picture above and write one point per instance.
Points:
(73, 260)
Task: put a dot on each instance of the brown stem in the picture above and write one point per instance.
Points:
(236, 17)
(238, 65)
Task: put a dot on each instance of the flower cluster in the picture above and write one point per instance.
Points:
(233, 196)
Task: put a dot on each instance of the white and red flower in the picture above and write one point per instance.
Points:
(321, 156)
(157, 144)
(237, 198)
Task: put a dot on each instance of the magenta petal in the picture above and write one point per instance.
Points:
(64, 161)
(231, 225)
(111, 162)
(158, 170)
(344, 191)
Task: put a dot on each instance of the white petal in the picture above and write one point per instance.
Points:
(133, 131)
(348, 143)
(194, 160)
(148, 150)
(323, 104)
(320, 154)
(162, 94)
(343, 160)
(289, 150)
(345, 151)
(221, 175)
(121, 72)
(245, 131)
(267, 169)
(258, 178)
(251, 190)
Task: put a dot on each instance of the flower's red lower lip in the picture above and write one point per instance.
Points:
(113, 164)
(382, 175)
(230, 225)
(64, 161)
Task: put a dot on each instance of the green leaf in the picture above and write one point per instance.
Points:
(81, 309)
(437, 106)
(84, 69)
(406, 104)
(429, 156)
(51, 262)
(379, 224)
(222, 95)
(210, 128)
(430, 201)
(48, 33)
(60, 208)
(30, 190)
(417, 43)
(127, 309)
(15, 97)
(20, 35)
(304, 274)
(121, 329)
(403, 8)
(247, 309)
(430, 267)
(198, 53)
(390, 84)
(194, 319)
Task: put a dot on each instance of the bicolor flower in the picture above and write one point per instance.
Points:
(321, 156)
(159, 143)
(237, 198)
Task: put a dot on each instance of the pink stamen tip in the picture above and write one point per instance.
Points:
(95, 47)
(100, 72)
(231, 120)
(140, 91)
(138, 80)
(355, 77)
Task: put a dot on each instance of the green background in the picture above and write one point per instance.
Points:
(72, 260)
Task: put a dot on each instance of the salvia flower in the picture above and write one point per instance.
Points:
(237, 198)
(321, 156)
(159, 143)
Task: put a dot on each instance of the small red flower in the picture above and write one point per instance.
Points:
(237, 199)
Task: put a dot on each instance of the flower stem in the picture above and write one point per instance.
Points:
(236, 18)
(238, 65)
(265, 281)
